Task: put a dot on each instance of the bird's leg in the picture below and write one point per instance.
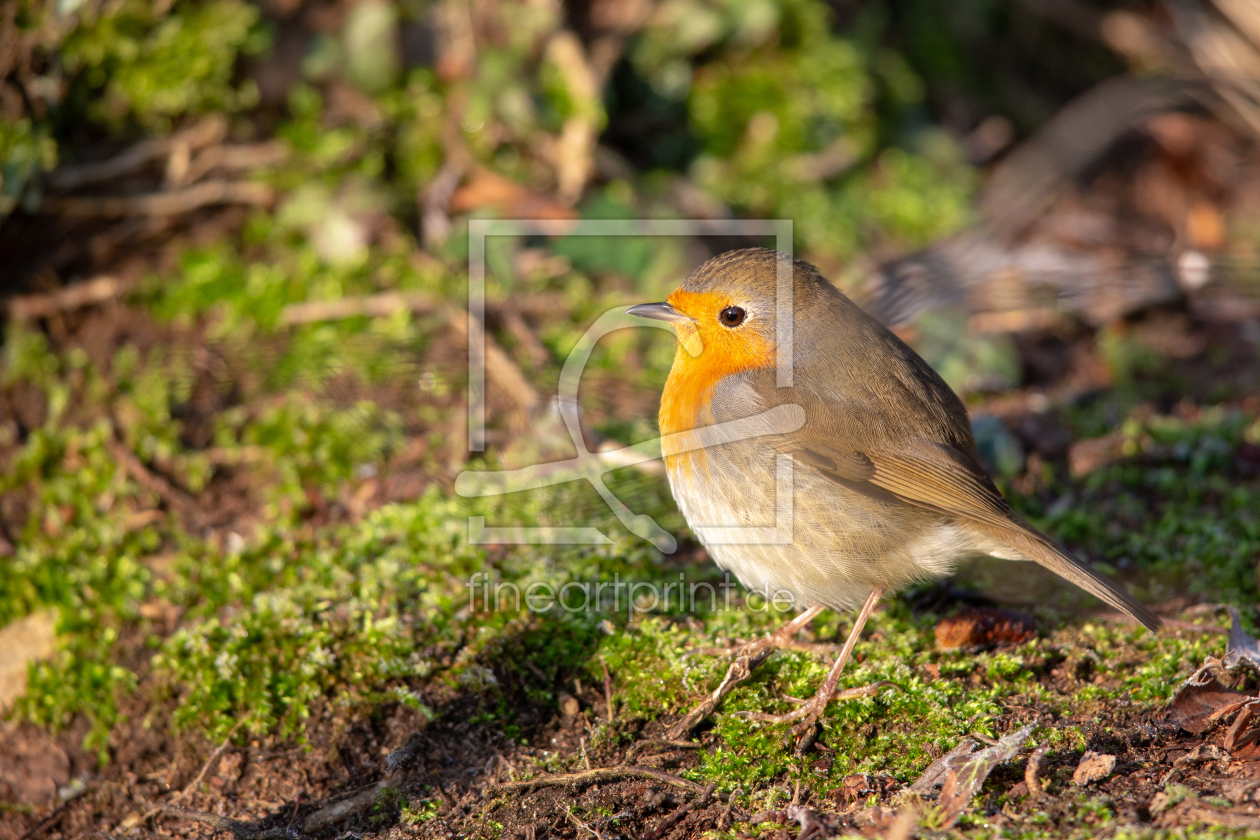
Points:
(811, 710)
(746, 658)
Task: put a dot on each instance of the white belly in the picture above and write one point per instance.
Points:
(830, 545)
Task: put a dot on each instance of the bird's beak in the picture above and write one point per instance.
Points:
(659, 312)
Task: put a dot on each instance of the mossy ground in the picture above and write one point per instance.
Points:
(273, 558)
(244, 528)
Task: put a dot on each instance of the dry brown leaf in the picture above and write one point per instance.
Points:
(22, 642)
(489, 190)
(1241, 739)
(1093, 766)
(1195, 705)
(961, 772)
(984, 627)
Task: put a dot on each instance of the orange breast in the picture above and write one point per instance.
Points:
(721, 352)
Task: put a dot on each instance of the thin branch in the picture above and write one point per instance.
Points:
(200, 816)
(239, 830)
(371, 306)
(800, 647)
(607, 688)
(596, 776)
(678, 816)
(499, 366)
(168, 203)
(204, 133)
(214, 756)
(568, 809)
(660, 743)
(78, 296)
(342, 810)
(243, 157)
(174, 497)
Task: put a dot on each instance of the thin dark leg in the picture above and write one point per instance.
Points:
(809, 713)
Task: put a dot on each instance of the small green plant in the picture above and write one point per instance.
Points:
(416, 812)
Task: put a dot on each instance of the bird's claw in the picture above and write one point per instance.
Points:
(810, 711)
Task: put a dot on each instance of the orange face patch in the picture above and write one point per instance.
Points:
(707, 352)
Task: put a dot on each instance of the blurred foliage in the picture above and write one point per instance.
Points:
(782, 113)
(828, 115)
(145, 64)
(25, 152)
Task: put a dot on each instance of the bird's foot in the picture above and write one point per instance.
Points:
(806, 716)
(747, 657)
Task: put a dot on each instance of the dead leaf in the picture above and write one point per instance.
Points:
(489, 190)
(1241, 739)
(904, 824)
(1085, 456)
(934, 775)
(1196, 704)
(1194, 810)
(961, 772)
(984, 627)
(1093, 766)
(22, 642)
(952, 800)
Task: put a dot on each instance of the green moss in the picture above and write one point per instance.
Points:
(153, 66)
(26, 152)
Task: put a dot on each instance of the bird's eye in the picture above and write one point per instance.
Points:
(732, 316)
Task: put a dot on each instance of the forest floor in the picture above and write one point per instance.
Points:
(267, 620)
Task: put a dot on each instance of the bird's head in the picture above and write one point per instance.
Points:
(724, 314)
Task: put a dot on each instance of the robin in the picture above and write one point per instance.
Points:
(886, 486)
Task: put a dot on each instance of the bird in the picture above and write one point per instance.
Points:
(885, 484)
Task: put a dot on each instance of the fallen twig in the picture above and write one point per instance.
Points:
(205, 133)
(499, 365)
(237, 158)
(137, 818)
(173, 496)
(728, 816)
(239, 830)
(1033, 768)
(371, 306)
(46, 823)
(339, 811)
(568, 809)
(679, 815)
(384, 304)
(524, 336)
(168, 203)
(738, 671)
(96, 290)
(607, 688)
(801, 647)
(433, 201)
(660, 743)
(596, 776)
(214, 756)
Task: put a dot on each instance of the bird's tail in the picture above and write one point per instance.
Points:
(1036, 546)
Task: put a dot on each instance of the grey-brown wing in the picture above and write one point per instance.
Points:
(905, 470)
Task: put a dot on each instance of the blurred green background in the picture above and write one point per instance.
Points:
(233, 246)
